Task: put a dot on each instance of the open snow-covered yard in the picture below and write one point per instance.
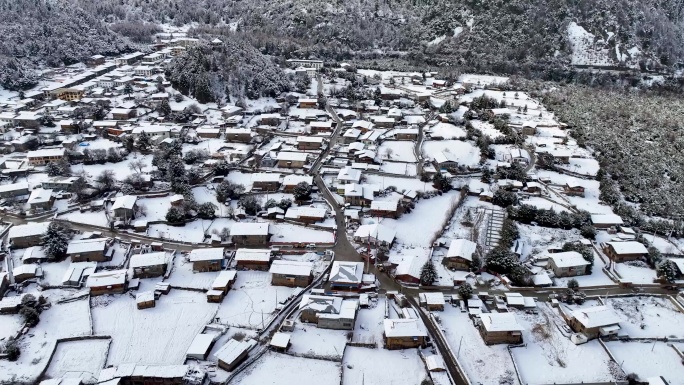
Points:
(310, 341)
(447, 131)
(369, 327)
(648, 317)
(483, 364)
(464, 153)
(252, 301)
(649, 359)
(83, 358)
(10, 325)
(550, 357)
(282, 369)
(183, 276)
(382, 366)
(157, 336)
(283, 232)
(69, 319)
(397, 151)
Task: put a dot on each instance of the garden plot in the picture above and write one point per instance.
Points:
(400, 183)
(418, 227)
(550, 357)
(658, 315)
(397, 151)
(95, 218)
(448, 131)
(121, 170)
(635, 273)
(482, 364)
(156, 336)
(464, 153)
(64, 320)
(282, 369)
(486, 128)
(154, 209)
(312, 342)
(183, 276)
(192, 232)
(408, 169)
(286, 233)
(381, 366)
(369, 327)
(648, 359)
(583, 166)
(53, 272)
(252, 301)
(10, 324)
(82, 359)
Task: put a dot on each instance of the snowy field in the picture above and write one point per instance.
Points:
(542, 203)
(486, 128)
(550, 357)
(59, 321)
(183, 276)
(86, 357)
(635, 274)
(483, 364)
(658, 315)
(252, 301)
(191, 232)
(447, 131)
(400, 183)
(408, 169)
(96, 218)
(310, 341)
(649, 359)
(397, 151)
(464, 152)
(298, 234)
(156, 336)
(382, 366)
(10, 325)
(281, 369)
(369, 323)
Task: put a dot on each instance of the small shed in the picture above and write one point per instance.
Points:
(201, 346)
(215, 296)
(280, 342)
(145, 300)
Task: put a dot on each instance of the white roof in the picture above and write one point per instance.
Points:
(28, 230)
(434, 298)
(349, 174)
(297, 268)
(366, 125)
(442, 157)
(14, 187)
(144, 296)
(606, 219)
(45, 152)
(233, 349)
(434, 362)
(321, 304)
(346, 272)
(411, 265)
(200, 345)
(679, 262)
(107, 278)
(125, 202)
(207, 254)
(377, 231)
(308, 100)
(384, 205)
(27, 268)
(40, 195)
(247, 228)
(404, 328)
(33, 252)
(568, 259)
(515, 299)
(327, 124)
(265, 177)
(292, 180)
(310, 139)
(596, 316)
(541, 279)
(462, 248)
(292, 156)
(263, 255)
(86, 245)
(280, 340)
(224, 277)
(353, 190)
(628, 247)
(310, 212)
(500, 322)
(149, 259)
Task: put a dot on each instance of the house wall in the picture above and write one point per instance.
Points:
(116, 289)
(384, 213)
(14, 193)
(215, 298)
(568, 271)
(403, 342)
(266, 186)
(407, 278)
(457, 263)
(241, 138)
(336, 323)
(252, 240)
(24, 242)
(290, 281)
(308, 315)
(149, 271)
(207, 265)
(308, 146)
(621, 257)
(94, 256)
(291, 163)
(253, 265)
(145, 305)
(504, 337)
(124, 213)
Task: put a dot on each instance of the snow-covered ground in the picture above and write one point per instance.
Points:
(659, 317)
(310, 341)
(448, 131)
(649, 359)
(381, 366)
(397, 151)
(282, 369)
(157, 336)
(86, 357)
(464, 153)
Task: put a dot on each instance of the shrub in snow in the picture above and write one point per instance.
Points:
(206, 210)
(175, 215)
(465, 291)
(428, 273)
(668, 270)
(302, 191)
(56, 241)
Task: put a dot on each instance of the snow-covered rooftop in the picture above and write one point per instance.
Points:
(263, 255)
(404, 328)
(296, 268)
(207, 254)
(596, 316)
(346, 272)
(500, 322)
(247, 228)
(149, 259)
(86, 245)
(628, 247)
(568, 259)
(462, 248)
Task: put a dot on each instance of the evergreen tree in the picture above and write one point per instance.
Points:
(441, 183)
(428, 273)
(207, 210)
(668, 270)
(144, 143)
(302, 191)
(175, 215)
(56, 241)
(128, 89)
(573, 284)
(164, 108)
(465, 291)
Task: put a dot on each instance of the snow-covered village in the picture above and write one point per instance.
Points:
(365, 227)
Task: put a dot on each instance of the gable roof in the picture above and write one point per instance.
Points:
(596, 316)
(346, 272)
(462, 248)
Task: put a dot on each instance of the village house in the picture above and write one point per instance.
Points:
(500, 328)
(124, 207)
(41, 199)
(133, 374)
(306, 143)
(44, 156)
(201, 346)
(567, 264)
(30, 234)
(445, 161)
(291, 181)
(123, 113)
(625, 251)
(224, 281)
(383, 121)
(14, 190)
(89, 250)
(149, 265)
(208, 132)
(317, 128)
(107, 282)
(306, 215)
(78, 273)
(208, 259)
(385, 209)
(460, 254)
(25, 271)
(249, 234)
(145, 300)
(606, 221)
(375, 234)
(346, 276)
(347, 175)
(328, 312)
(238, 135)
(406, 134)
(253, 259)
(28, 120)
(432, 301)
(408, 268)
(351, 136)
(573, 189)
(291, 273)
(265, 182)
(306, 63)
(230, 355)
(307, 103)
(287, 159)
(353, 194)
(404, 333)
(593, 321)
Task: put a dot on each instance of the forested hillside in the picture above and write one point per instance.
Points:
(51, 33)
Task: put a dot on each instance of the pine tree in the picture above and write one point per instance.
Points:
(465, 291)
(428, 273)
(668, 270)
(144, 143)
(56, 241)
(302, 191)
(164, 108)
(128, 89)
